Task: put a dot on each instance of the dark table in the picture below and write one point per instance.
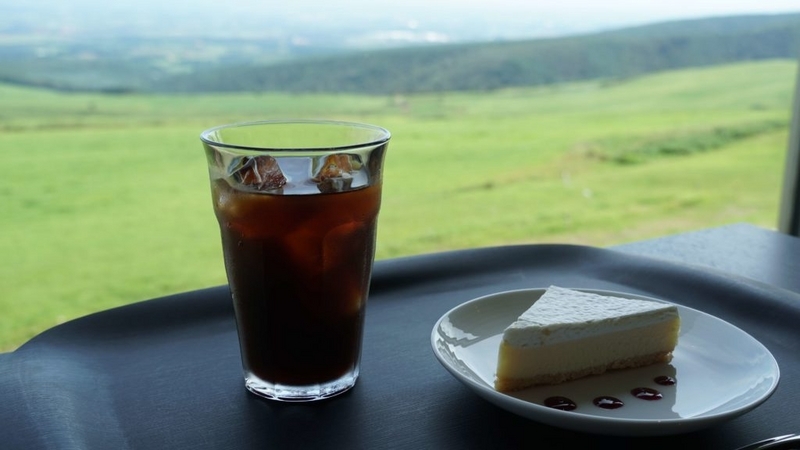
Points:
(165, 373)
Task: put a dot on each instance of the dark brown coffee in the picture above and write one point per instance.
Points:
(299, 268)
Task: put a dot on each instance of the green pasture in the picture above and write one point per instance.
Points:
(104, 199)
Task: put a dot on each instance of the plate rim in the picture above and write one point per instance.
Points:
(647, 427)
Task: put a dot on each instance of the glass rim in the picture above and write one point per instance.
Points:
(383, 135)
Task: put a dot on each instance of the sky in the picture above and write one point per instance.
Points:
(624, 12)
(457, 19)
(609, 11)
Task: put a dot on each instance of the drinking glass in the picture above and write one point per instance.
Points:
(297, 203)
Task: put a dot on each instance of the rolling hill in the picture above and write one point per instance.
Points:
(160, 65)
(486, 66)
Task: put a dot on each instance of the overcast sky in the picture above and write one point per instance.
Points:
(607, 10)
(487, 18)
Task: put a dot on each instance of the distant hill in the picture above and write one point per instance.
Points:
(486, 66)
(148, 64)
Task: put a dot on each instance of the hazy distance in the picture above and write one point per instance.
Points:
(356, 23)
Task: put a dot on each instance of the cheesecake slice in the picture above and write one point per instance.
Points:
(570, 334)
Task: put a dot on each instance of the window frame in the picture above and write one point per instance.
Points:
(789, 218)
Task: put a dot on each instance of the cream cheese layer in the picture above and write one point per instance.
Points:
(564, 315)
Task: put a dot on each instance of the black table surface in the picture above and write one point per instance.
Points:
(165, 373)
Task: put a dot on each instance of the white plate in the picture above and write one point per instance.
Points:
(721, 372)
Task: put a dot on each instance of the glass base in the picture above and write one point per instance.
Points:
(307, 393)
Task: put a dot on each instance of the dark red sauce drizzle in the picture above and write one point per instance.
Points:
(644, 393)
(562, 403)
(665, 380)
(607, 402)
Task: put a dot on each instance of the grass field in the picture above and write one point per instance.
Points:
(104, 200)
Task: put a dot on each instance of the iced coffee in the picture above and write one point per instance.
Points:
(297, 204)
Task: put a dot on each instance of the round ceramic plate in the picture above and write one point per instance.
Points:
(721, 372)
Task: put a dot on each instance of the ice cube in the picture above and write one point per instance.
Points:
(335, 174)
(261, 172)
(346, 258)
(333, 265)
